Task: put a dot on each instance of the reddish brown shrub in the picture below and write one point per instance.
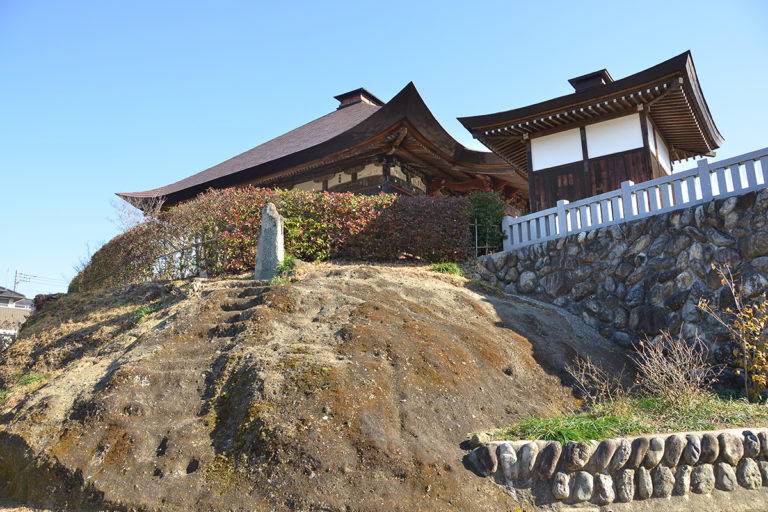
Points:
(218, 232)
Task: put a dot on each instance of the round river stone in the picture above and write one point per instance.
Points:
(703, 479)
(582, 486)
(527, 460)
(710, 449)
(625, 485)
(692, 450)
(604, 493)
(731, 448)
(673, 449)
(644, 487)
(603, 455)
(508, 461)
(560, 486)
(639, 447)
(621, 455)
(486, 454)
(748, 474)
(654, 454)
(548, 459)
(751, 444)
(575, 455)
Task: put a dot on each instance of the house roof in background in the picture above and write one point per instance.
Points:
(5, 293)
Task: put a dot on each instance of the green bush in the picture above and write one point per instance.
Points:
(487, 210)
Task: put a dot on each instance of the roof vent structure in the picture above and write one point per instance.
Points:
(356, 96)
(590, 80)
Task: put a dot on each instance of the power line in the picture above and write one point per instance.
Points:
(37, 282)
(29, 277)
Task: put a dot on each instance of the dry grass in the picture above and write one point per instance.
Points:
(671, 393)
(675, 369)
(593, 383)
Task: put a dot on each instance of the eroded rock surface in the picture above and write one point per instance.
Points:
(350, 384)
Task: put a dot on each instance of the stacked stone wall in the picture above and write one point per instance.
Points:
(634, 279)
(625, 470)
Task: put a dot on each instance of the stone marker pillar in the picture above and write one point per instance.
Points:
(269, 252)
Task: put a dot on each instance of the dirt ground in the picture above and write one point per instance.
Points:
(351, 387)
(10, 506)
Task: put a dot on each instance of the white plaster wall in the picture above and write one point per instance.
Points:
(418, 183)
(370, 170)
(397, 172)
(614, 136)
(308, 186)
(651, 139)
(340, 178)
(556, 149)
(663, 153)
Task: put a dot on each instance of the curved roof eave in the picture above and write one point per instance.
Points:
(682, 64)
(406, 106)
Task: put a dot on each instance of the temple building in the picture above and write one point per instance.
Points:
(572, 147)
(606, 132)
(365, 146)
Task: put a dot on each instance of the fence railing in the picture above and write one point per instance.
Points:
(709, 180)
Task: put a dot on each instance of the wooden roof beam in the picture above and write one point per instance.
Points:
(400, 151)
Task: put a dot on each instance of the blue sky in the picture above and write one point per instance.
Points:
(101, 97)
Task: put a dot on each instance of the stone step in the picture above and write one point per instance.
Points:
(241, 304)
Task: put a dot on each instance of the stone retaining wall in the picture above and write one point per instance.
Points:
(623, 470)
(631, 280)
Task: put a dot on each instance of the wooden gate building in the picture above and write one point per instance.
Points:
(588, 142)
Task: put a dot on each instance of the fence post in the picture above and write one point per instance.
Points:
(507, 241)
(626, 199)
(562, 219)
(705, 182)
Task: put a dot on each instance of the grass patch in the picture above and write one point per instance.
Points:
(572, 427)
(709, 411)
(282, 270)
(278, 280)
(145, 311)
(32, 382)
(289, 262)
(670, 393)
(30, 379)
(446, 268)
(643, 414)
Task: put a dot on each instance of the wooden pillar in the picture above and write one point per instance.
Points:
(386, 185)
(646, 144)
(532, 200)
(588, 187)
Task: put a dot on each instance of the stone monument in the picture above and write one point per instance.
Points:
(270, 251)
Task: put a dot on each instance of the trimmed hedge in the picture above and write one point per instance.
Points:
(218, 232)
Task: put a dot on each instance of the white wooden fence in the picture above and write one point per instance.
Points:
(701, 184)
